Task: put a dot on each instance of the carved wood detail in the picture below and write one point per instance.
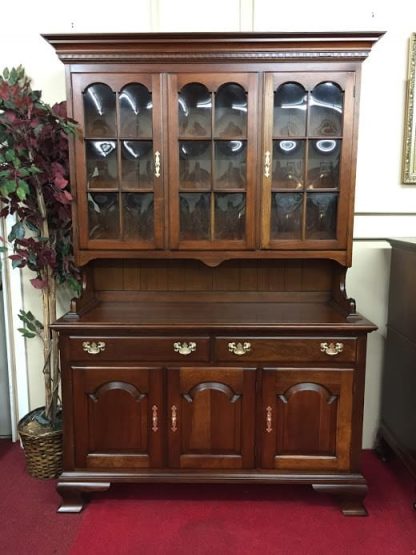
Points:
(209, 386)
(115, 385)
(301, 387)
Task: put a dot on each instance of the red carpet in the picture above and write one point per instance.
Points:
(29, 524)
(177, 519)
(230, 520)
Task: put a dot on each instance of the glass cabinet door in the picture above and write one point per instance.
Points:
(211, 141)
(307, 159)
(119, 160)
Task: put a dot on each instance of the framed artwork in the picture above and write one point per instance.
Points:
(409, 150)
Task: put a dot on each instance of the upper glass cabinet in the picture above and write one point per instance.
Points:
(211, 198)
(305, 142)
(120, 160)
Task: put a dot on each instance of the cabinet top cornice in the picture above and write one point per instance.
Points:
(244, 47)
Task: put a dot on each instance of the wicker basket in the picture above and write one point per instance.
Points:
(43, 452)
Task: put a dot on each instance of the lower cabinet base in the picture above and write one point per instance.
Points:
(350, 489)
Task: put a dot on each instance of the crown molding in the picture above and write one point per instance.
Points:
(212, 47)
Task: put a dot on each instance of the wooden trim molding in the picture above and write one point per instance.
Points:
(212, 47)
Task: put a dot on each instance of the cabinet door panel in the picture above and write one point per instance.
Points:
(211, 418)
(117, 414)
(212, 146)
(306, 419)
(308, 147)
(118, 160)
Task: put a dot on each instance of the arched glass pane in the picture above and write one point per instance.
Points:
(103, 216)
(231, 111)
(230, 164)
(99, 111)
(289, 119)
(136, 164)
(326, 107)
(323, 164)
(135, 111)
(194, 105)
(288, 164)
(101, 164)
(194, 164)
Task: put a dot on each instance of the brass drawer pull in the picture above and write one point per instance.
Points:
(332, 349)
(239, 349)
(173, 426)
(155, 420)
(184, 348)
(93, 348)
(269, 420)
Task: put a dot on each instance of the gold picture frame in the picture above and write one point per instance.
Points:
(409, 151)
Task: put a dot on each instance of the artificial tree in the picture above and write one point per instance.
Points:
(34, 189)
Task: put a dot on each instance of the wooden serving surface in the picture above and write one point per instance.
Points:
(220, 315)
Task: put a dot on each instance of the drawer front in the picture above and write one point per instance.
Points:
(286, 349)
(146, 349)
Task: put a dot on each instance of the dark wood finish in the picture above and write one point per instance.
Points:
(398, 413)
(306, 418)
(231, 354)
(286, 349)
(118, 417)
(350, 496)
(146, 349)
(73, 494)
(211, 418)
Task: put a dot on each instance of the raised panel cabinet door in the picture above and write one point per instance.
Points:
(305, 419)
(119, 160)
(212, 149)
(117, 417)
(211, 414)
(307, 160)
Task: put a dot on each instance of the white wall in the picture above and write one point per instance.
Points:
(379, 191)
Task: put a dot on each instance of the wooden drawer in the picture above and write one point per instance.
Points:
(285, 349)
(146, 349)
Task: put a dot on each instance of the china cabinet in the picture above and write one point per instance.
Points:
(214, 184)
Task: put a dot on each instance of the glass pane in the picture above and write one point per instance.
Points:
(101, 164)
(103, 216)
(231, 111)
(326, 104)
(194, 216)
(230, 216)
(135, 111)
(138, 216)
(194, 164)
(323, 164)
(194, 104)
(290, 101)
(230, 164)
(288, 164)
(100, 111)
(286, 216)
(136, 164)
(321, 215)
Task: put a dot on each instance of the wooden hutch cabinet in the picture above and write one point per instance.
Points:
(214, 185)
